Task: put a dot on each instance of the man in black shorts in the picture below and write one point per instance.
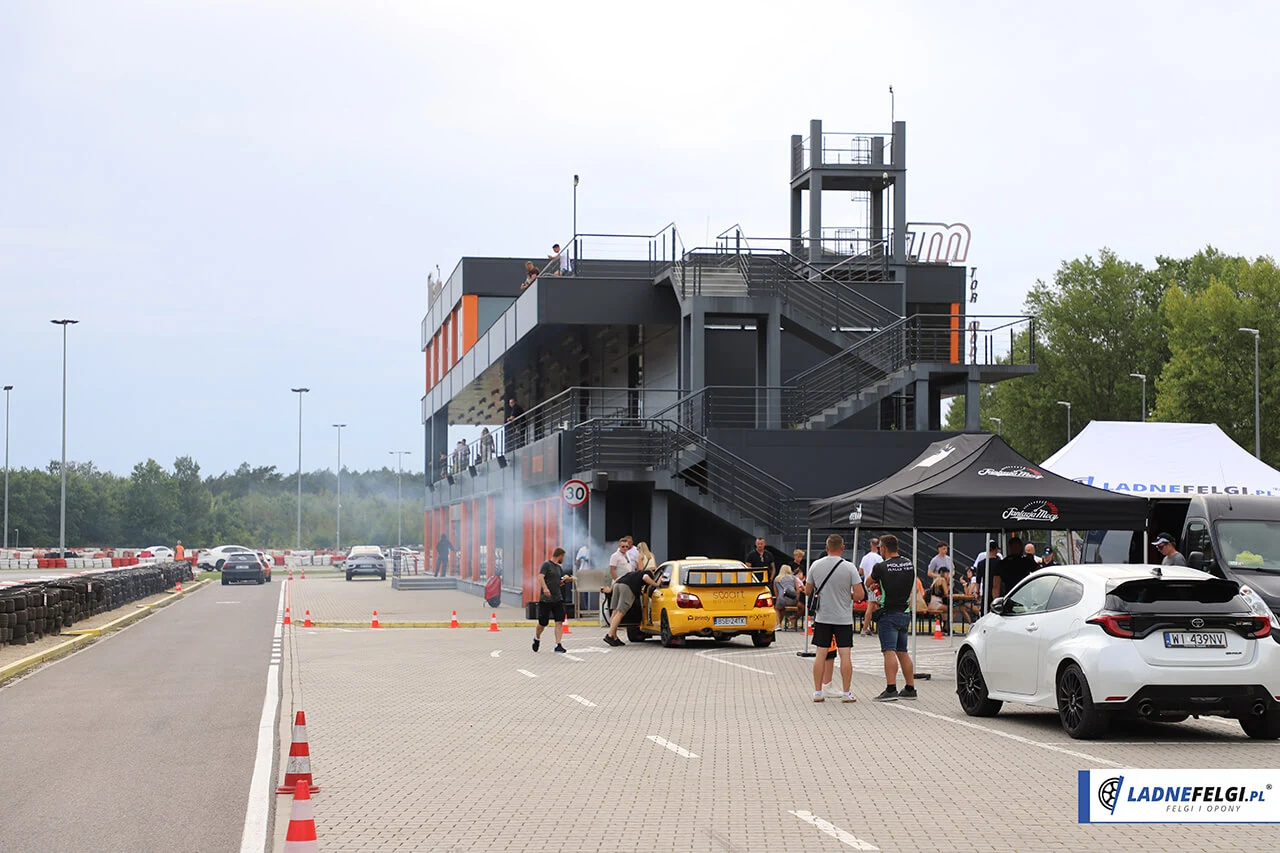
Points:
(550, 602)
(623, 595)
(835, 585)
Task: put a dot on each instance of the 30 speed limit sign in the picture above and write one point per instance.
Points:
(574, 492)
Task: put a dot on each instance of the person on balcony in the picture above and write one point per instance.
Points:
(530, 274)
(486, 445)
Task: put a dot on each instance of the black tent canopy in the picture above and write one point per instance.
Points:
(978, 482)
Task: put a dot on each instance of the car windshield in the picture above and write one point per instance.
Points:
(1250, 544)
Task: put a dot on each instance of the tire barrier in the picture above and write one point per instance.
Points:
(29, 610)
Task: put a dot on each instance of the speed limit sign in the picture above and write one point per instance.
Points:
(574, 492)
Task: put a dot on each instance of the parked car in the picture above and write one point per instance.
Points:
(366, 560)
(1101, 640)
(215, 557)
(156, 552)
(244, 566)
(701, 597)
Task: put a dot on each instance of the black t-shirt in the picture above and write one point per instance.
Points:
(756, 560)
(515, 411)
(1014, 569)
(635, 580)
(553, 573)
(897, 578)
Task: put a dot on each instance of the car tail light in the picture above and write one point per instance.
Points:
(764, 599)
(1115, 624)
(688, 601)
(1261, 628)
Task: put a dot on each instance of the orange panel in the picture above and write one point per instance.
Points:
(430, 379)
(955, 332)
(470, 321)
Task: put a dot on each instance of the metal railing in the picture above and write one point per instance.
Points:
(700, 463)
(843, 149)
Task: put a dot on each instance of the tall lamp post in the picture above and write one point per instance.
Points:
(1068, 405)
(1143, 377)
(62, 525)
(1257, 402)
(338, 543)
(7, 389)
(575, 221)
(399, 454)
(299, 392)
(999, 422)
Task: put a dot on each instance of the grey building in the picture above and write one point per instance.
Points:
(702, 394)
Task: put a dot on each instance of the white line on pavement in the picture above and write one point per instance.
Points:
(834, 831)
(998, 733)
(676, 748)
(226, 602)
(527, 672)
(571, 657)
(254, 838)
(575, 697)
(706, 654)
(495, 654)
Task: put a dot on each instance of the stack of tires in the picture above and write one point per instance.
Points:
(28, 612)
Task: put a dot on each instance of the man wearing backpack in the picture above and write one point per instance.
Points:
(835, 587)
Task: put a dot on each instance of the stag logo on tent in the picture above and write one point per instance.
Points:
(856, 515)
(1034, 511)
(934, 459)
(1021, 472)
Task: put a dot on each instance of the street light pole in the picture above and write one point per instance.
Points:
(399, 454)
(299, 392)
(1068, 405)
(338, 544)
(574, 258)
(7, 389)
(1143, 377)
(1257, 401)
(999, 425)
(62, 526)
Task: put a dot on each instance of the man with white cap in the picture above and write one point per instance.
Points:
(1164, 544)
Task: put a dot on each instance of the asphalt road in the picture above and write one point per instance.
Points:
(144, 741)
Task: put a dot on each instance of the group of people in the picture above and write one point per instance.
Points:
(558, 256)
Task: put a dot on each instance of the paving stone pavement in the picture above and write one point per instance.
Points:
(332, 598)
(464, 740)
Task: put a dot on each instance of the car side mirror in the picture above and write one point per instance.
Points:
(1195, 560)
(997, 606)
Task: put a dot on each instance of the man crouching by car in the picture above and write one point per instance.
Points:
(623, 595)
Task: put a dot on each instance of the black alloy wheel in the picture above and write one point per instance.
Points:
(1080, 717)
(664, 631)
(971, 687)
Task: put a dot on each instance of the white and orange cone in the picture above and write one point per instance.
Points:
(453, 620)
(565, 631)
(306, 622)
(178, 588)
(301, 837)
(303, 569)
(937, 629)
(299, 767)
(287, 620)
(375, 620)
(493, 624)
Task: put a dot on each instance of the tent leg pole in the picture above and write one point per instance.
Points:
(951, 603)
(808, 552)
(915, 579)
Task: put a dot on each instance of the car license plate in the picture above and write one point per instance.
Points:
(1200, 640)
(730, 621)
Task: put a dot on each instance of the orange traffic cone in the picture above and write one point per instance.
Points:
(808, 626)
(301, 837)
(178, 588)
(375, 620)
(307, 621)
(287, 620)
(937, 629)
(453, 620)
(566, 632)
(304, 572)
(493, 624)
(291, 573)
(299, 768)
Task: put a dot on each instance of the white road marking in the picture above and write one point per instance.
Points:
(571, 657)
(676, 748)
(527, 672)
(226, 602)
(495, 654)
(254, 838)
(706, 654)
(998, 733)
(834, 831)
(575, 697)
(598, 649)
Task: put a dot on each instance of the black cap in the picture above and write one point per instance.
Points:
(991, 543)
(1047, 552)
(1162, 539)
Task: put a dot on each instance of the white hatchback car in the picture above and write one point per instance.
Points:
(1097, 640)
(215, 557)
(156, 552)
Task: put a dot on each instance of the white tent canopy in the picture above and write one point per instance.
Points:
(1163, 460)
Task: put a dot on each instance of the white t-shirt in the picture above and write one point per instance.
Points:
(564, 261)
(620, 563)
(868, 563)
(583, 559)
(835, 605)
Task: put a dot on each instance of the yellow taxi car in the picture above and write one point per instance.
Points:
(701, 597)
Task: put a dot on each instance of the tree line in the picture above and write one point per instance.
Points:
(250, 506)
(1177, 322)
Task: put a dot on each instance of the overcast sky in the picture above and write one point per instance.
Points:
(239, 197)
